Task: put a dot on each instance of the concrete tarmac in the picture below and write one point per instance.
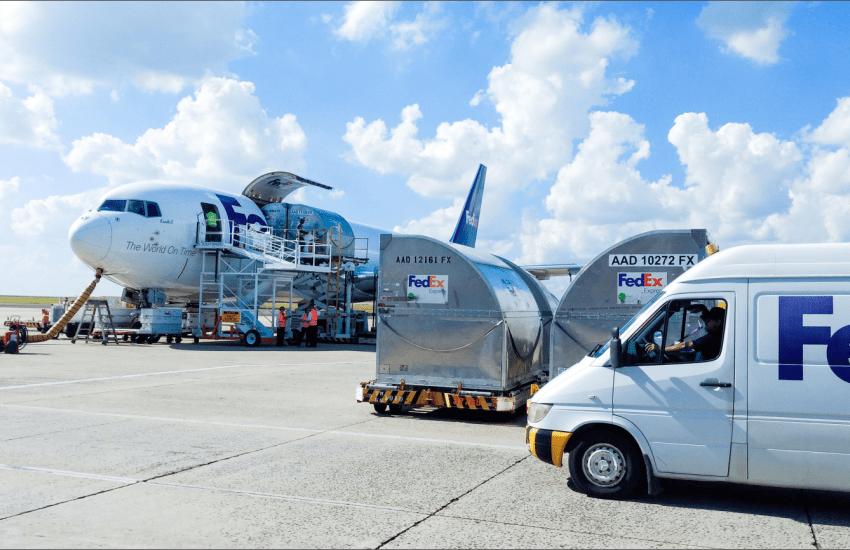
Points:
(217, 445)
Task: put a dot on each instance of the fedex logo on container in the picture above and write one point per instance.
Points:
(426, 281)
(793, 335)
(644, 279)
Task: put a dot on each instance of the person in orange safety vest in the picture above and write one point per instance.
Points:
(45, 320)
(281, 327)
(312, 326)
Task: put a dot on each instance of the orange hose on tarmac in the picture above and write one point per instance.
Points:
(75, 307)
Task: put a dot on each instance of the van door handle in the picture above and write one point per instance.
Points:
(713, 383)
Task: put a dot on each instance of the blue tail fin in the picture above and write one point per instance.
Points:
(467, 224)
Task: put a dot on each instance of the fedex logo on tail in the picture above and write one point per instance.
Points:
(471, 219)
(793, 335)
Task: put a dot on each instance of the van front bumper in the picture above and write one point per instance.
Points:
(547, 445)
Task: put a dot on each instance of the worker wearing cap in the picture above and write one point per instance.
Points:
(281, 327)
(312, 326)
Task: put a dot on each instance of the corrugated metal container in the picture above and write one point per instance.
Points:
(161, 320)
(450, 315)
(615, 285)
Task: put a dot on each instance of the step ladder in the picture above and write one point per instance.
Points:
(332, 292)
(99, 308)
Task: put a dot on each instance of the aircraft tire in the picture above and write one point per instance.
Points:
(71, 330)
(169, 339)
(252, 339)
(197, 340)
(380, 408)
(178, 339)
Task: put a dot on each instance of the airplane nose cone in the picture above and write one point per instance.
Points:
(91, 238)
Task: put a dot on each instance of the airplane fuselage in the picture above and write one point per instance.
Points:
(143, 235)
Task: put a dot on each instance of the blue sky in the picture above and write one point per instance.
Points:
(597, 121)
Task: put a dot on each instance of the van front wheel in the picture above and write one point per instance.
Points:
(605, 465)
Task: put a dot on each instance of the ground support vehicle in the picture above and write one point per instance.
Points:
(762, 399)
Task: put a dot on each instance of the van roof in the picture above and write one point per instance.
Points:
(774, 261)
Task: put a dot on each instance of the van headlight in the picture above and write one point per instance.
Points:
(537, 411)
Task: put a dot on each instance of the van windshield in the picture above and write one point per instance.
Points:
(599, 350)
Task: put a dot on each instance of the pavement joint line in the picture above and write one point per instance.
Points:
(82, 381)
(65, 502)
(61, 431)
(590, 533)
(280, 428)
(293, 498)
(127, 482)
(815, 542)
(69, 473)
(449, 503)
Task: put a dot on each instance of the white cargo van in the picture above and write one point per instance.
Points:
(738, 371)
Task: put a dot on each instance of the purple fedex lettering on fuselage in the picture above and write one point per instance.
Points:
(238, 218)
(793, 335)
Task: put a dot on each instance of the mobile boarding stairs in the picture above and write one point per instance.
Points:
(247, 272)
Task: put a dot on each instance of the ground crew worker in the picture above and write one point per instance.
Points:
(212, 228)
(45, 320)
(303, 330)
(281, 327)
(312, 326)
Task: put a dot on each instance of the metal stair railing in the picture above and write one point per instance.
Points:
(311, 248)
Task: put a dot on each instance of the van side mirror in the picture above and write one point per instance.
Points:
(616, 348)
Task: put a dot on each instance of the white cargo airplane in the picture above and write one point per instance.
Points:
(144, 235)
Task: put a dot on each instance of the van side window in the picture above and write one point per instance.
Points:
(696, 334)
(635, 352)
(683, 331)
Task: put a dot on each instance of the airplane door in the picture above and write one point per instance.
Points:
(682, 401)
(212, 223)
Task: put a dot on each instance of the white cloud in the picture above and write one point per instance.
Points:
(557, 72)
(835, 130)
(753, 30)
(29, 121)
(742, 186)
(52, 216)
(419, 31)
(220, 136)
(439, 224)
(364, 20)
(161, 46)
(9, 187)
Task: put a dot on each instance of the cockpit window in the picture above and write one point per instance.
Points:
(136, 207)
(112, 205)
(142, 208)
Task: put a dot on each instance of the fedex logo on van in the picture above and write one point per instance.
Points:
(793, 335)
(426, 281)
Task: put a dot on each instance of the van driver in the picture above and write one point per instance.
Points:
(709, 344)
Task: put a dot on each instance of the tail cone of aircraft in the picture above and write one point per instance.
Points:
(75, 307)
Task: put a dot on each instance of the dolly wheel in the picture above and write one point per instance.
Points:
(178, 339)
(380, 408)
(169, 339)
(252, 338)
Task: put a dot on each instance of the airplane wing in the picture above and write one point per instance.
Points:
(543, 272)
(275, 186)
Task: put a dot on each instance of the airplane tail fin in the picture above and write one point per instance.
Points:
(467, 225)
